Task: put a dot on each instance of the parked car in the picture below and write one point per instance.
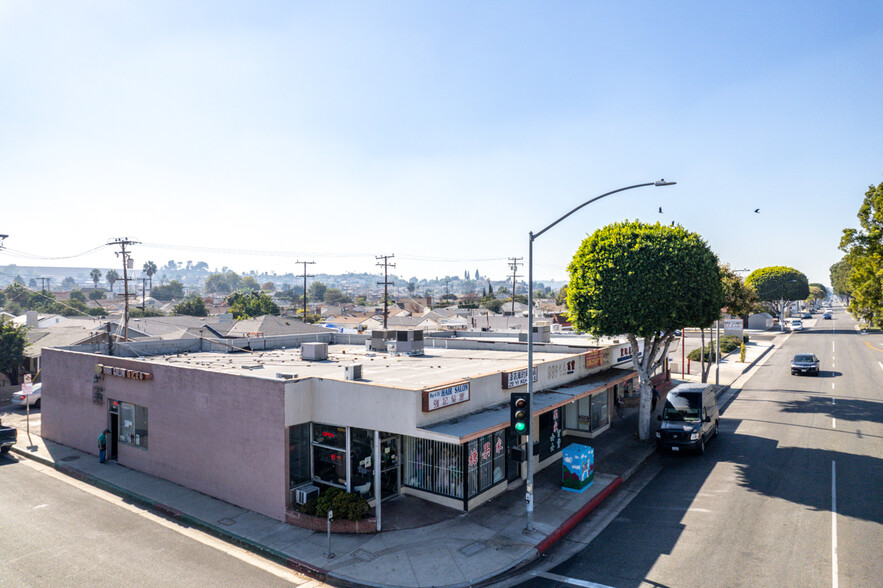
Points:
(805, 363)
(24, 399)
(8, 437)
(796, 325)
(689, 419)
(806, 315)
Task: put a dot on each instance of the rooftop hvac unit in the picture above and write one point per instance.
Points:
(314, 351)
(353, 372)
(303, 493)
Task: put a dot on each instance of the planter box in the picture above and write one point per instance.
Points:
(305, 521)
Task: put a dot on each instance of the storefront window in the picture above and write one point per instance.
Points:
(600, 412)
(299, 454)
(486, 461)
(329, 436)
(433, 466)
(329, 466)
(361, 464)
(133, 424)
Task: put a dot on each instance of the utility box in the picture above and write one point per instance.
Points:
(578, 467)
(314, 351)
(353, 372)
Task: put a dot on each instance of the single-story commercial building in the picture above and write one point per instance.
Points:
(253, 421)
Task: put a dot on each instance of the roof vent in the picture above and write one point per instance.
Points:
(282, 376)
(255, 366)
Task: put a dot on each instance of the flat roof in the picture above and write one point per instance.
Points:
(436, 367)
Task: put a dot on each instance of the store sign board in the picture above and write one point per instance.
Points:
(595, 359)
(108, 370)
(732, 324)
(517, 378)
(443, 397)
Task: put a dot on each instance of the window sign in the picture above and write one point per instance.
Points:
(442, 397)
(133, 424)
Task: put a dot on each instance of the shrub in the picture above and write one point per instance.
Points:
(745, 338)
(344, 505)
(728, 344)
(309, 507)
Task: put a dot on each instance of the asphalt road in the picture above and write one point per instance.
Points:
(56, 531)
(789, 494)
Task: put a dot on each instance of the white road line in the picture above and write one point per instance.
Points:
(832, 385)
(833, 423)
(571, 581)
(880, 364)
(834, 567)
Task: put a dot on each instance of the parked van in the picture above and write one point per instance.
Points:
(689, 418)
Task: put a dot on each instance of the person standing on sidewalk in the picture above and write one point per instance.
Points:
(102, 446)
(654, 400)
(617, 404)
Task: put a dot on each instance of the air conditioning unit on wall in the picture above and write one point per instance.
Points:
(304, 492)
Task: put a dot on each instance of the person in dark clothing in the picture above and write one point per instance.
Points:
(654, 400)
(102, 446)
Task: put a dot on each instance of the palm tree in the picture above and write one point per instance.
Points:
(111, 276)
(95, 274)
(149, 269)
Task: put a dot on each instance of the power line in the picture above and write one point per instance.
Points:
(386, 265)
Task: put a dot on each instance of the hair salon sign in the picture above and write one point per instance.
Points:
(448, 396)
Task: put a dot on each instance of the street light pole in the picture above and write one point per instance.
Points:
(528, 528)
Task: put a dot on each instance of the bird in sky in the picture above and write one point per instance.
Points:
(660, 210)
(756, 210)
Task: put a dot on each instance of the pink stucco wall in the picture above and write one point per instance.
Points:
(220, 434)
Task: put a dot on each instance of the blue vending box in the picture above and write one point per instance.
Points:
(578, 467)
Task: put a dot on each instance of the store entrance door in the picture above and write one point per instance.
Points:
(389, 467)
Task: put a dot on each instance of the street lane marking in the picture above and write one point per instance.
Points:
(868, 343)
(571, 581)
(880, 364)
(834, 571)
(833, 423)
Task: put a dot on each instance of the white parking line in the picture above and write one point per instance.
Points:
(833, 423)
(571, 581)
(880, 364)
(834, 570)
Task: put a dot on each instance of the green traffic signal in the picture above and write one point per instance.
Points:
(520, 426)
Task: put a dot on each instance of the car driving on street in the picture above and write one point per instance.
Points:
(805, 363)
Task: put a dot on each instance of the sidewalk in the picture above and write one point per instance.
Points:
(460, 549)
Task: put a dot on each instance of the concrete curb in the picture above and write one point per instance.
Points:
(568, 525)
(178, 516)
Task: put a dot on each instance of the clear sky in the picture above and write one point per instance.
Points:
(441, 132)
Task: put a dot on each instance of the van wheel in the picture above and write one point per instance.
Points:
(702, 446)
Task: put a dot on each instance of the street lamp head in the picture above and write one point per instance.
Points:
(663, 183)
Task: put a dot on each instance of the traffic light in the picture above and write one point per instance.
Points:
(519, 412)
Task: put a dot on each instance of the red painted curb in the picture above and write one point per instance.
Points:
(576, 517)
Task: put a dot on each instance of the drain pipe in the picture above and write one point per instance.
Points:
(377, 477)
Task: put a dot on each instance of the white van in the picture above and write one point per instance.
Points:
(689, 418)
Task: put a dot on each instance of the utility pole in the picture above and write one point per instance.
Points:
(143, 293)
(386, 265)
(514, 262)
(124, 242)
(43, 280)
(305, 263)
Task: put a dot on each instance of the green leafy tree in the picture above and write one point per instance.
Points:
(192, 305)
(96, 295)
(173, 289)
(249, 283)
(413, 286)
(12, 350)
(95, 274)
(864, 252)
(111, 276)
(268, 287)
(225, 283)
(251, 304)
(817, 293)
(740, 299)
(69, 283)
(561, 297)
(149, 268)
(147, 312)
(316, 291)
(840, 273)
(644, 281)
(777, 287)
(18, 280)
(32, 283)
(335, 296)
(78, 296)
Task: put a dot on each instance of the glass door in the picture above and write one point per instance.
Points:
(389, 467)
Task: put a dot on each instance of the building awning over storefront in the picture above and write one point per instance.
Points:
(465, 428)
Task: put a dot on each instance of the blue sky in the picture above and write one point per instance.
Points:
(441, 132)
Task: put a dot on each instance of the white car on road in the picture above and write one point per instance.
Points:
(796, 325)
(24, 399)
